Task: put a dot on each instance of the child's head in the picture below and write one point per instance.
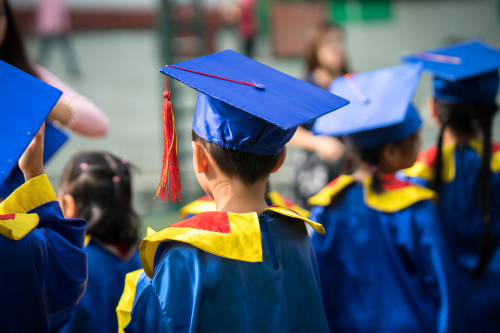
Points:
(390, 157)
(211, 160)
(96, 187)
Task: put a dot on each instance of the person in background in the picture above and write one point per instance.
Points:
(53, 25)
(44, 267)
(383, 262)
(96, 186)
(464, 168)
(73, 110)
(323, 156)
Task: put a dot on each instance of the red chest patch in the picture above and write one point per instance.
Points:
(208, 221)
(389, 182)
(428, 156)
(7, 217)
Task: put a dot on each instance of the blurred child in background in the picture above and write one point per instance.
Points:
(96, 186)
(464, 168)
(322, 157)
(383, 263)
(44, 269)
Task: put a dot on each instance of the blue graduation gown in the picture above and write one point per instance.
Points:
(462, 222)
(96, 311)
(225, 272)
(44, 269)
(382, 262)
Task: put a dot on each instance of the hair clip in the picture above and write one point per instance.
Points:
(84, 166)
(116, 179)
(124, 160)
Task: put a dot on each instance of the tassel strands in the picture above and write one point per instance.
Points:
(170, 183)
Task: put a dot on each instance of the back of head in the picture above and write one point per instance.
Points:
(247, 167)
(100, 185)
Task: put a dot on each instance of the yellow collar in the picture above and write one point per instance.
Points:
(228, 235)
(14, 223)
(424, 166)
(396, 196)
(400, 196)
(16, 226)
(326, 195)
(203, 204)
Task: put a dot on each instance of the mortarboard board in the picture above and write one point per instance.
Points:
(465, 72)
(53, 140)
(244, 105)
(380, 110)
(25, 102)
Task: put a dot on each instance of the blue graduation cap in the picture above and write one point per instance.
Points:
(25, 102)
(244, 105)
(53, 140)
(380, 111)
(465, 72)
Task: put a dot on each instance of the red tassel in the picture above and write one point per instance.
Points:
(170, 183)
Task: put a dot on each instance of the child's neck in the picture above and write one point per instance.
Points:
(235, 197)
(450, 136)
(364, 170)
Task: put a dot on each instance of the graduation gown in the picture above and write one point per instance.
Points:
(382, 262)
(44, 269)
(225, 272)
(462, 222)
(96, 311)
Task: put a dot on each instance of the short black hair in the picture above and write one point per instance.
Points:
(371, 156)
(247, 167)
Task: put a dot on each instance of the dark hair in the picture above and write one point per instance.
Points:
(247, 167)
(371, 157)
(100, 184)
(467, 119)
(313, 41)
(12, 50)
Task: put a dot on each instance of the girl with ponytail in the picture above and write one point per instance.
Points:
(383, 263)
(97, 187)
(463, 168)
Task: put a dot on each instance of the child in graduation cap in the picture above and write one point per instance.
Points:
(97, 187)
(464, 168)
(383, 263)
(246, 267)
(136, 281)
(44, 269)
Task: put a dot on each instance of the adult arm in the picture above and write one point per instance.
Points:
(329, 149)
(75, 110)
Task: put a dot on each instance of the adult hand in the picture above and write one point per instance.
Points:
(329, 149)
(31, 162)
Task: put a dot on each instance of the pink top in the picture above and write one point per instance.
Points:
(52, 17)
(87, 118)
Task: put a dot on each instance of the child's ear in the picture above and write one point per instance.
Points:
(200, 158)
(281, 160)
(68, 206)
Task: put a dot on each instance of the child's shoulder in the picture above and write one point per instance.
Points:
(331, 190)
(396, 194)
(203, 204)
(228, 235)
